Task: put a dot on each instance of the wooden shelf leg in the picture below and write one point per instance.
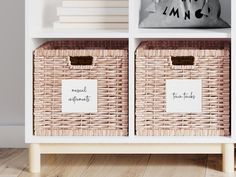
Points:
(228, 158)
(34, 158)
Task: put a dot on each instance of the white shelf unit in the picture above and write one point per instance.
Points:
(40, 15)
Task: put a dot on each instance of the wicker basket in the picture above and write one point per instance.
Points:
(156, 63)
(109, 66)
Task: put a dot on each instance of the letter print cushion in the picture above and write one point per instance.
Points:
(183, 14)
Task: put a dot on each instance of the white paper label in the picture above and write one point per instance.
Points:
(183, 96)
(79, 96)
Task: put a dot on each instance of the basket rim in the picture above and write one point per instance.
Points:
(82, 48)
(184, 45)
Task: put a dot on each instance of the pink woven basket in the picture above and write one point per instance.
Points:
(155, 65)
(109, 66)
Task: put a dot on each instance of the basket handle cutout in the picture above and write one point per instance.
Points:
(81, 62)
(183, 62)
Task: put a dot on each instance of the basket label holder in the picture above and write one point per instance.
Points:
(183, 96)
(79, 96)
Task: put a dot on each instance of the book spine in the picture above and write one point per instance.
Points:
(88, 3)
(91, 11)
(90, 19)
(58, 25)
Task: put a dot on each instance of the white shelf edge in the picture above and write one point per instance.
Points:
(141, 33)
(183, 33)
(50, 33)
(233, 70)
(130, 140)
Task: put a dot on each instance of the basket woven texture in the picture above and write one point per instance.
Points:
(154, 67)
(110, 69)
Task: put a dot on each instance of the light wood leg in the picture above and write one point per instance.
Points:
(228, 158)
(34, 158)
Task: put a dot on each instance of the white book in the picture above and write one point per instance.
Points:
(90, 19)
(61, 11)
(59, 25)
(92, 3)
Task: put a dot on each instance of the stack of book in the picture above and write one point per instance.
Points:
(92, 14)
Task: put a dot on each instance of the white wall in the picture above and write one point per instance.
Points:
(11, 73)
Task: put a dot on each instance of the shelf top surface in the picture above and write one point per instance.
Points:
(184, 33)
(132, 140)
(89, 33)
(140, 33)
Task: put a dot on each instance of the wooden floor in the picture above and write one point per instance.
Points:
(14, 163)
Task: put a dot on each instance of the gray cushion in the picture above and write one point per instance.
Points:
(183, 14)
